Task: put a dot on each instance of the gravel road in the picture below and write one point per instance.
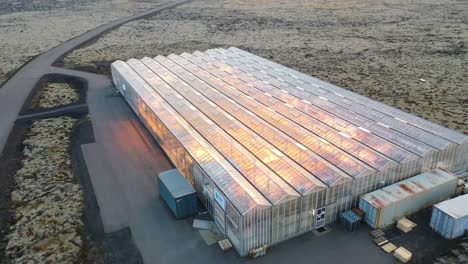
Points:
(412, 55)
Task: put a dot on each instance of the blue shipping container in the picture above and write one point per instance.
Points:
(450, 218)
(178, 194)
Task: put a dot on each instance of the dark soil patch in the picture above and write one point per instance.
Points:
(99, 247)
(31, 102)
(425, 244)
(10, 162)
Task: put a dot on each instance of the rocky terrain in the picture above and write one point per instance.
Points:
(28, 28)
(412, 55)
(56, 94)
(47, 202)
(456, 256)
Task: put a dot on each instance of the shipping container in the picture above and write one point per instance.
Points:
(178, 194)
(384, 206)
(450, 218)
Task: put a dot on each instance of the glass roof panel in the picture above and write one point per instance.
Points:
(239, 191)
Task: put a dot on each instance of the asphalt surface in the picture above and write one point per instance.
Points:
(78, 109)
(15, 91)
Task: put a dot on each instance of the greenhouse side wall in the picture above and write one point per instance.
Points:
(182, 160)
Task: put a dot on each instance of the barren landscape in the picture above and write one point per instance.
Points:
(28, 28)
(412, 55)
(409, 54)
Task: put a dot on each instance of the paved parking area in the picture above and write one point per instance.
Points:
(122, 165)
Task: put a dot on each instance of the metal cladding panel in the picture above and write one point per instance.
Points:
(456, 207)
(178, 194)
(167, 197)
(407, 196)
(446, 225)
(175, 183)
(409, 187)
(370, 211)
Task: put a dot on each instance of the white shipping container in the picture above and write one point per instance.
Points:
(384, 206)
(450, 218)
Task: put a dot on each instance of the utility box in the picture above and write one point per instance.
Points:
(350, 220)
(178, 194)
(450, 218)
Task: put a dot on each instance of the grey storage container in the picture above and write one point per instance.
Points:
(384, 206)
(178, 194)
(450, 218)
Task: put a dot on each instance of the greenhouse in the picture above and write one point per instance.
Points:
(272, 152)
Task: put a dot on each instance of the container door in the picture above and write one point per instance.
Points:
(219, 210)
(124, 90)
(219, 217)
(320, 219)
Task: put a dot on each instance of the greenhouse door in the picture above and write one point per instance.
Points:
(124, 90)
(320, 217)
(219, 210)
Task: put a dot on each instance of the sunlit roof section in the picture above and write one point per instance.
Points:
(273, 85)
(240, 192)
(301, 168)
(261, 177)
(335, 130)
(252, 89)
(320, 146)
(421, 130)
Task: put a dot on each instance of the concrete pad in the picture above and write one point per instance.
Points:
(327, 229)
(209, 237)
(112, 205)
(202, 224)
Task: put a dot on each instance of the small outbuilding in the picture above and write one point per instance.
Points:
(450, 218)
(178, 194)
(384, 206)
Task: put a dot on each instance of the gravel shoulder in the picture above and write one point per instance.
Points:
(28, 28)
(10, 162)
(411, 55)
(48, 211)
(46, 203)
